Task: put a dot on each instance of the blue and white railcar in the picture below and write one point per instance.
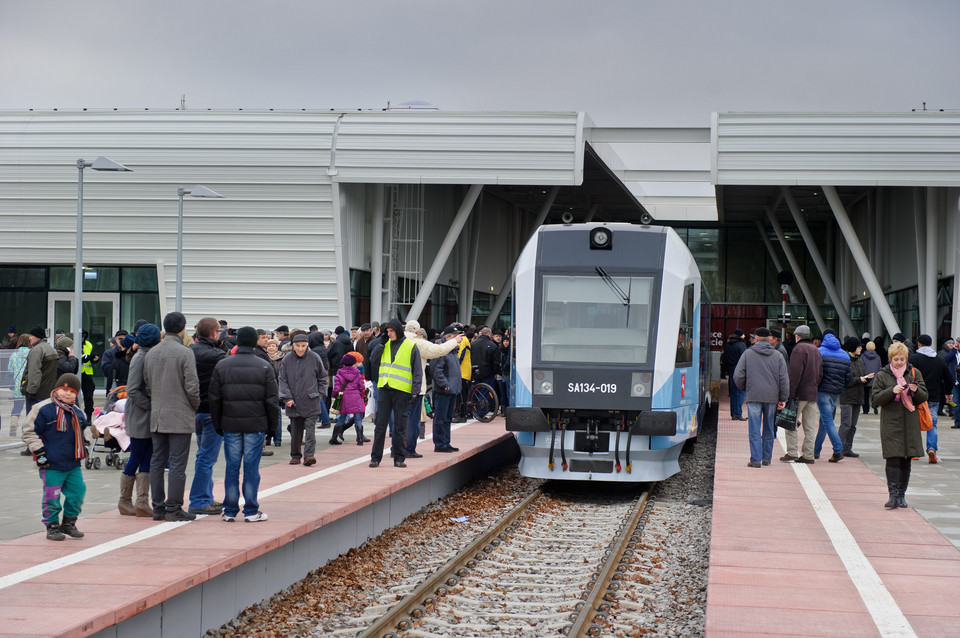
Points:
(610, 352)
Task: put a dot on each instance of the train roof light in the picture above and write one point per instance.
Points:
(601, 239)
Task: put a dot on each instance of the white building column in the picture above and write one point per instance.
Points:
(930, 266)
(850, 234)
(797, 272)
(846, 326)
(376, 255)
(340, 249)
(873, 241)
(919, 243)
(955, 320)
(508, 283)
(430, 279)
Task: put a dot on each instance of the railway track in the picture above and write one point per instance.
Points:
(552, 565)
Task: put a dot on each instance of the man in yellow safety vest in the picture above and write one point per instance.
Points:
(398, 384)
(86, 376)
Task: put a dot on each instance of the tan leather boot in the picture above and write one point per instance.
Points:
(143, 507)
(125, 504)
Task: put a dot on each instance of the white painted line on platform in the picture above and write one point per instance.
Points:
(164, 527)
(883, 608)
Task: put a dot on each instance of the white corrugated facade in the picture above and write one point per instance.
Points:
(276, 248)
(851, 149)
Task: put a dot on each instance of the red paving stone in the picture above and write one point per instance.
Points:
(775, 572)
(96, 593)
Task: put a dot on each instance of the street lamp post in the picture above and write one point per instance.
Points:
(99, 164)
(196, 191)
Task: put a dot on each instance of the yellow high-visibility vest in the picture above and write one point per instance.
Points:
(87, 368)
(397, 374)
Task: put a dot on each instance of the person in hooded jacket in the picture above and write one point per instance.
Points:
(939, 383)
(852, 395)
(399, 381)
(762, 374)
(871, 365)
(136, 422)
(898, 388)
(836, 376)
(350, 382)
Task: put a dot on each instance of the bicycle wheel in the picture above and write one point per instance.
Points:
(483, 402)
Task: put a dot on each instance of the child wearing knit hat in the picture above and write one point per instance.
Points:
(53, 432)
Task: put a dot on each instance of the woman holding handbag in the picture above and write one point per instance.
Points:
(899, 390)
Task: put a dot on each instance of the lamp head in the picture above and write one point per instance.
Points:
(199, 191)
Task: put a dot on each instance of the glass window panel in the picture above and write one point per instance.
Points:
(101, 278)
(684, 338)
(61, 278)
(139, 279)
(22, 277)
(705, 245)
(615, 312)
(136, 306)
(22, 309)
(746, 258)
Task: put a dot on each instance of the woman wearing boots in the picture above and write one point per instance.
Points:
(350, 382)
(137, 423)
(898, 388)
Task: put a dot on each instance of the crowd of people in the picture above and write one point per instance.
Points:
(227, 388)
(824, 376)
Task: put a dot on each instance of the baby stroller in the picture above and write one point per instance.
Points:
(110, 438)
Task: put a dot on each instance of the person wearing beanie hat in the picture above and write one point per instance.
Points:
(348, 385)
(303, 386)
(939, 382)
(136, 327)
(852, 396)
(12, 337)
(40, 373)
(67, 363)
(244, 407)
(53, 432)
(136, 422)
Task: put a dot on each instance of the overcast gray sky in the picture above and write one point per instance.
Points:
(636, 63)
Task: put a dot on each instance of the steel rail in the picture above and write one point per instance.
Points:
(602, 590)
(402, 615)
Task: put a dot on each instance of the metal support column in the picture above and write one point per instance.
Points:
(775, 259)
(919, 241)
(377, 256)
(846, 326)
(797, 272)
(850, 235)
(955, 320)
(426, 287)
(930, 266)
(508, 283)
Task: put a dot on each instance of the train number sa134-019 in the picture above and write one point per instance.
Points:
(592, 388)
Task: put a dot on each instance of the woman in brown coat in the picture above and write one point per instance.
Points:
(898, 389)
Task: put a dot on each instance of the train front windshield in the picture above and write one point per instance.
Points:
(596, 318)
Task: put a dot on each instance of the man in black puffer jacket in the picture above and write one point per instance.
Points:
(341, 346)
(207, 352)
(244, 406)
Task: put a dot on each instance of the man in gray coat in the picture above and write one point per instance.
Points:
(762, 374)
(303, 383)
(40, 375)
(170, 378)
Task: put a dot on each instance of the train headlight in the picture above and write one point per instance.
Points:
(601, 239)
(543, 382)
(641, 384)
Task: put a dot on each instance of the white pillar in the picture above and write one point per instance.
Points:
(426, 287)
(843, 221)
(873, 216)
(919, 242)
(930, 266)
(508, 283)
(775, 259)
(955, 320)
(376, 258)
(846, 326)
(340, 249)
(797, 272)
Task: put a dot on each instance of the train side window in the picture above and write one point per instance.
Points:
(685, 329)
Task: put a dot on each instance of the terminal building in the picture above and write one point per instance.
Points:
(330, 217)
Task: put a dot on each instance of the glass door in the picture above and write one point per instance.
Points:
(101, 319)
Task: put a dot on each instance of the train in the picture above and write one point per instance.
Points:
(610, 354)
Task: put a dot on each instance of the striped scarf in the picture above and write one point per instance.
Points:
(66, 419)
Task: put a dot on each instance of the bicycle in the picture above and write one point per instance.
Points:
(482, 403)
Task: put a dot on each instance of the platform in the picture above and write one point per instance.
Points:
(809, 550)
(135, 577)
